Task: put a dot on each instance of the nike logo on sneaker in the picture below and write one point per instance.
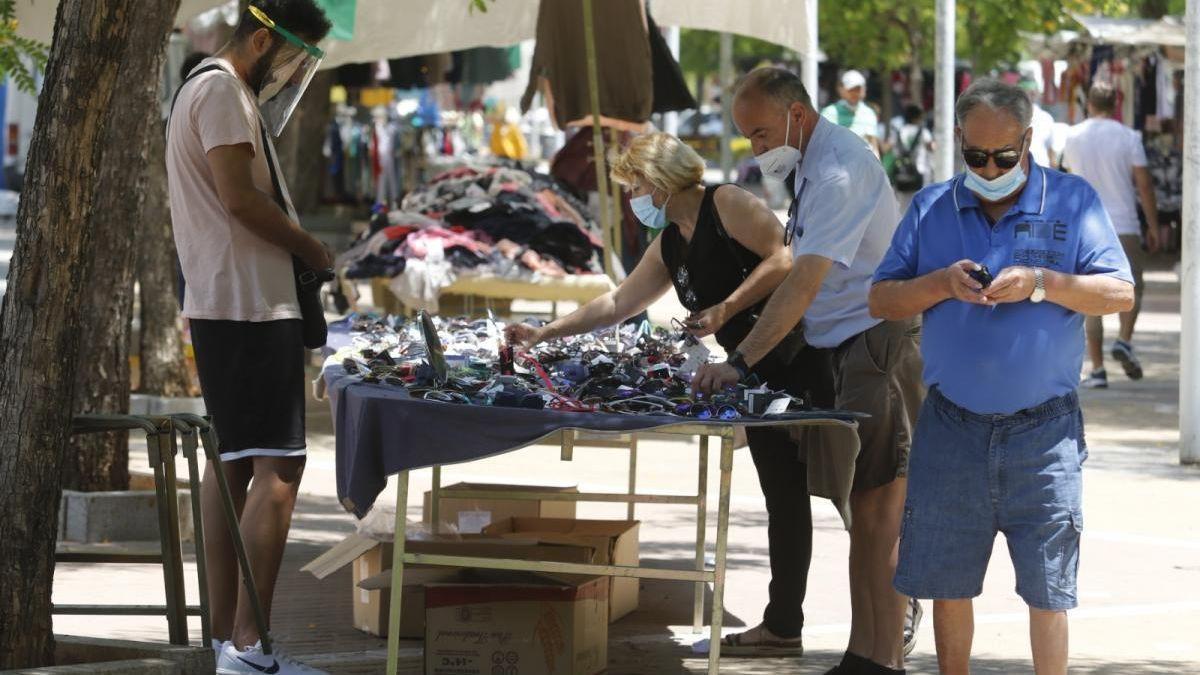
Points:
(274, 667)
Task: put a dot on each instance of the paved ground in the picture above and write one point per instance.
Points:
(1139, 580)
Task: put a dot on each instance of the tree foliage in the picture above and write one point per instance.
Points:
(892, 34)
(699, 51)
(17, 53)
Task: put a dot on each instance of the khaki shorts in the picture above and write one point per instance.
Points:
(1132, 244)
(878, 372)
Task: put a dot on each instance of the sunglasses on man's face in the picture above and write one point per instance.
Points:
(1005, 158)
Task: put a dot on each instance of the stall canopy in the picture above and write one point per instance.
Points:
(1167, 31)
(35, 18)
(389, 29)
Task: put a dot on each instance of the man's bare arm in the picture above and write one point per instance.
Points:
(258, 211)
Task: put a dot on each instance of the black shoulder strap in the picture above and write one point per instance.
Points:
(710, 201)
(262, 130)
(912, 146)
(193, 75)
(270, 157)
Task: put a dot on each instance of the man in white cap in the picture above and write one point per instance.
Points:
(852, 112)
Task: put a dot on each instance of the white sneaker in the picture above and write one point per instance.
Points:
(252, 661)
(912, 623)
(218, 647)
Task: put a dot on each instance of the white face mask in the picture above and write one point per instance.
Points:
(653, 217)
(779, 162)
(998, 188)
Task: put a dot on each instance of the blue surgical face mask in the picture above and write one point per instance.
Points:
(653, 217)
(998, 188)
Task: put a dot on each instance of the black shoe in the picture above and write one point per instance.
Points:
(1122, 351)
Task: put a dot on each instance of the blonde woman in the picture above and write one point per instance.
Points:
(722, 251)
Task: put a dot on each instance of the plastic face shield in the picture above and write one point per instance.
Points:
(287, 81)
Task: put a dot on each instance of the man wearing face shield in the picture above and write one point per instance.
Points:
(237, 234)
(999, 444)
(840, 223)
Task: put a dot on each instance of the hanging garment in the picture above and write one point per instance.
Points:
(408, 73)
(671, 92)
(355, 75)
(622, 53)
(337, 160)
(485, 65)
(1166, 90)
(509, 142)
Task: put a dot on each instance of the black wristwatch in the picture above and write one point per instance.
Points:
(739, 364)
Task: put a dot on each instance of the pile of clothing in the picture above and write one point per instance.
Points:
(629, 370)
(477, 219)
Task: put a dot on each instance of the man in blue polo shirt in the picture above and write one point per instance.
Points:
(999, 442)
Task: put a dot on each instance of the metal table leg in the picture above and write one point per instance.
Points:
(157, 446)
(633, 453)
(718, 604)
(435, 500)
(701, 533)
(190, 440)
(393, 657)
(173, 554)
(568, 445)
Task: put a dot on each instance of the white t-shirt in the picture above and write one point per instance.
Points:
(847, 213)
(1104, 152)
(1042, 141)
(231, 273)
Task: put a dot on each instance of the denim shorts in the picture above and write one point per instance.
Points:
(971, 476)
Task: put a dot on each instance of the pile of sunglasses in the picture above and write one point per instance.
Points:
(630, 370)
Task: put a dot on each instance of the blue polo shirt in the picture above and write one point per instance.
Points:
(1003, 359)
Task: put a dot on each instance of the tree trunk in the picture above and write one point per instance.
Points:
(163, 366)
(101, 461)
(300, 146)
(916, 75)
(40, 324)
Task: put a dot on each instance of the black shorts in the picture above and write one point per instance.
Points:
(252, 378)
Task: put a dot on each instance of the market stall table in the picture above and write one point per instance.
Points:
(381, 430)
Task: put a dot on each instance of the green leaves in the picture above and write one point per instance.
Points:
(478, 5)
(887, 34)
(699, 51)
(20, 58)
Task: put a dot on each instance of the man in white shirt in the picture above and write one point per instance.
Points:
(1111, 157)
(1041, 146)
(840, 225)
(851, 110)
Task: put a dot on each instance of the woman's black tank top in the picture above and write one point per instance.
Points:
(710, 267)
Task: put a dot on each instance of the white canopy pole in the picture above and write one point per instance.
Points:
(943, 96)
(808, 63)
(727, 105)
(671, 119)
(1189, 296)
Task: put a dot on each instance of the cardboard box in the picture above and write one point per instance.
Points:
(615, 541)
(372, 564)
(519, 623)
(470, 516)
